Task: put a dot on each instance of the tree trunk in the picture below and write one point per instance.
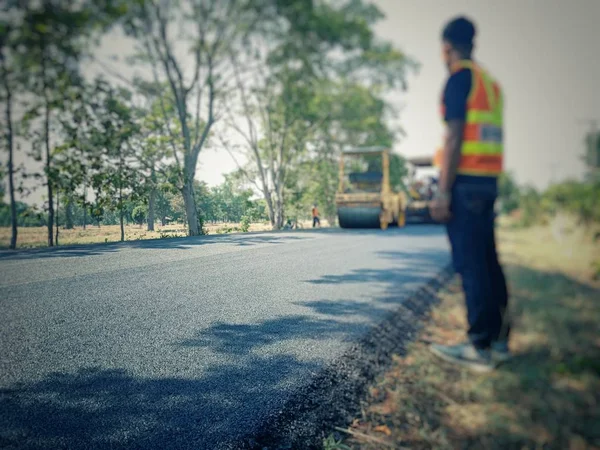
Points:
(84, 206)
(190, 208)
(152, 201)
(69, 213)
(49, 179)
(270, 208)
(279, 213)
(48, 156)
(56, 215)
(278, 224)
(331, 219)
(11, 168)
(121, 222)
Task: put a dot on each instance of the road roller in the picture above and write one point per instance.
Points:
(365, 198)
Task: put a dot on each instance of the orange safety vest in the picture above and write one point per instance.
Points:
(482, 147)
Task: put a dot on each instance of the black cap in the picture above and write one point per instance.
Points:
(459, 31)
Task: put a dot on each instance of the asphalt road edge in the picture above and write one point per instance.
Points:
(333, 396)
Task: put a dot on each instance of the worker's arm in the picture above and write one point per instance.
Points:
(456, 94)
(451, 155)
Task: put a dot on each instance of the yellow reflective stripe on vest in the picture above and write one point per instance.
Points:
(481, 148)
(491, 117)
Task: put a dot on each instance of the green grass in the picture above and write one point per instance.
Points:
(548, 397)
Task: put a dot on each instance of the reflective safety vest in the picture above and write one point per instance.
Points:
(482, 147)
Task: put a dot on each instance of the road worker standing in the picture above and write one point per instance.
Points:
(315, 216)
(470, 162)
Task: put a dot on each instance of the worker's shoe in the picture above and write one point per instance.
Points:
(478, 360)
(500, 352)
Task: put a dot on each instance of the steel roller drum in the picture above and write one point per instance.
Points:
(359, 217)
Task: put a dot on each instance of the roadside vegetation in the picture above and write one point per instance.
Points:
(548, 397)
(280, 86)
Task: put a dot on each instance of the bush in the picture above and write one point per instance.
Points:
(577, 198)
(531, 208)
(245, 224)
(508, 193)
(139, 214)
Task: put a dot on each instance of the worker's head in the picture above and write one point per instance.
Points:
(457, 40)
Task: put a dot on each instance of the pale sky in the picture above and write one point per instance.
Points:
(543, 52)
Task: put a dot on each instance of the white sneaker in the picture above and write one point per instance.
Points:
(500, 352)
(466, 355)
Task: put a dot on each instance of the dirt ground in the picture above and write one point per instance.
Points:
(548, 397)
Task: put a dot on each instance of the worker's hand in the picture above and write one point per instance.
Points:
(439, 208)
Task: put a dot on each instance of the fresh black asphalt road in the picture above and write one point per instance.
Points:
(188, 343)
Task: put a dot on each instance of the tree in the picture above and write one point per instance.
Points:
(53, 37)
(153, 142)
(118, 127)
(318, 54)
(279, 118)
(139, 214)
(8, 82)
(212, 31)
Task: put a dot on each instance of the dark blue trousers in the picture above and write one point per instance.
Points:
(472, 239)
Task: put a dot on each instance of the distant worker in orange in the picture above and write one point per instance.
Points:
(315, 216)
(470, 163)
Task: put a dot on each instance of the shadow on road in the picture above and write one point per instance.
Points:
(241, 339)
(101, 409)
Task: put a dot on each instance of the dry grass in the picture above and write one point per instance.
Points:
(31, 237)
(548, 397)
(37, 236)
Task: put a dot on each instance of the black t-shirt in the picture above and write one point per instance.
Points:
(456, 94)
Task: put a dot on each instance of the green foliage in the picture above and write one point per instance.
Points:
(508, 193)
(245, 224)
(139, 214)
(228, 202)
(530, 205)
(323, 78)
(27, 216)
(580, 199)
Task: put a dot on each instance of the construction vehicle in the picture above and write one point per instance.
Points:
(421, 189)
(365, 198)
